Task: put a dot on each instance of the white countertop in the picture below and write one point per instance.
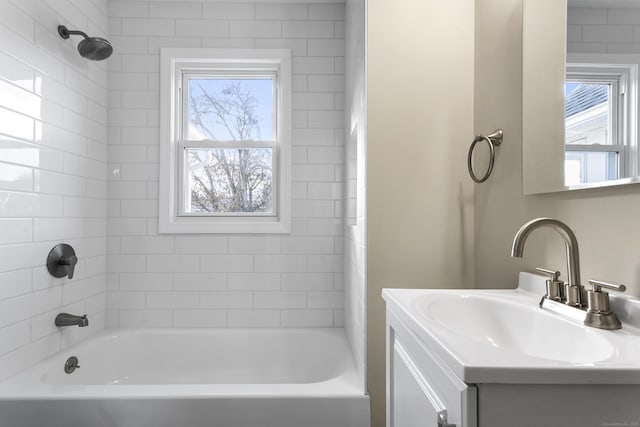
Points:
(614, 358)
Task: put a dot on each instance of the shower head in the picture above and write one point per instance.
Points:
(92, 48)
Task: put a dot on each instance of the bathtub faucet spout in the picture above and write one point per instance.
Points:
(66, 319)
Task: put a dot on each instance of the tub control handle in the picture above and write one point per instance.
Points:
(71, 365)
(62, 261)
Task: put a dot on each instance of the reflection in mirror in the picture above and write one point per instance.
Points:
(600, 118)
(580, 94)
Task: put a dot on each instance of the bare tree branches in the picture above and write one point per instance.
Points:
(226, 179)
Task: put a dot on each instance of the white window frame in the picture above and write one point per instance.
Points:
(175, 66)
(621, 70)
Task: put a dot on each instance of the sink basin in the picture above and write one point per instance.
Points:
(513, 326)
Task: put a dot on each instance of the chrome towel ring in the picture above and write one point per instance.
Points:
(493, 140)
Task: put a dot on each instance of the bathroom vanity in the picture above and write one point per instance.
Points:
(496, 358)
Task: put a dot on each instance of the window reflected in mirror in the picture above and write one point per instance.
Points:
(598, 123)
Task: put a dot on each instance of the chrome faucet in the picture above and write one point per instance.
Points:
(574, 289)
(66, 319)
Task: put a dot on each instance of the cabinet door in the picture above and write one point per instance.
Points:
(421, 389)
(413, 402)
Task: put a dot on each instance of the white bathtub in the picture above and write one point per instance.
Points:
(193, 378)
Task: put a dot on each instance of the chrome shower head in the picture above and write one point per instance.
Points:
(92, 48)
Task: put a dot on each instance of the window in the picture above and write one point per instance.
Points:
(225, 146)
(600, 122)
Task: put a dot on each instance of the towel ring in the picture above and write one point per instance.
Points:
(493, 140)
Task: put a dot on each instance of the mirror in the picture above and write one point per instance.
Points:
(580, 94)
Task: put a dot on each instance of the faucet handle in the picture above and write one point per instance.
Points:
(597, 286)
(553, 274)
(599, 312)
(555, 286)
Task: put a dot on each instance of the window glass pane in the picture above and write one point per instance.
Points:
(229, 180)
(583, 167)
(230, 109)
(588, 113)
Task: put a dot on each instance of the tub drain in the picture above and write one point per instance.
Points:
(71, 364)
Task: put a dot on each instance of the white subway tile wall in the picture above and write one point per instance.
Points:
(53, 165)
(225, 280)
(592, 30)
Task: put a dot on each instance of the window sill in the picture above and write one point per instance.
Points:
(185, 226)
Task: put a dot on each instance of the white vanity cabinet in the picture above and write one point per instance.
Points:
(421, 390)
(449, 368)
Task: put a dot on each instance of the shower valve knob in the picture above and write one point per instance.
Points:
(62, 261)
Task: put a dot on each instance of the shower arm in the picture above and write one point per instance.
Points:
(65, 32)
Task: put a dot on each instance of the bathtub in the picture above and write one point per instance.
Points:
(193, 378)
